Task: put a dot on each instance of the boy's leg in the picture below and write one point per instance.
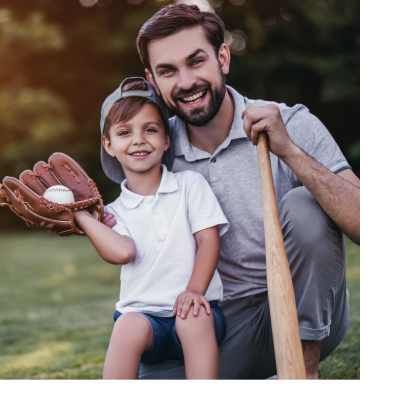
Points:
(131, 337)
(197, 336)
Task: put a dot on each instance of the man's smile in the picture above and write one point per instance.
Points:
(195, 99)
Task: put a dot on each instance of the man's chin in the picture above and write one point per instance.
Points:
(198, 116)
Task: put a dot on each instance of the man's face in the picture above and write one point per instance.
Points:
(188, 74)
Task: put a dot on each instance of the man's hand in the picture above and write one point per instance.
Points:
(186, 299)
(109, 220)
(268, 119)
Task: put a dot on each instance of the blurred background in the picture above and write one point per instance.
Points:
(58, 62)
(60, 59)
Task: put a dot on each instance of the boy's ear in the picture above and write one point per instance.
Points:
(150, 78)
(167, 142)
(107, 146)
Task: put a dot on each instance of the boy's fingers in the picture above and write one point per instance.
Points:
(206, 305)
(186, 306)
(180, 305)
(196, 307)
(175, 307)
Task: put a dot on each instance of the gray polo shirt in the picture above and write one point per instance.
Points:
(232, 172)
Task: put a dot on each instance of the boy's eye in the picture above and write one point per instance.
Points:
(123, 133)
(150, 130)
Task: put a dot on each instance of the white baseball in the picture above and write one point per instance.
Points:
(59, 194)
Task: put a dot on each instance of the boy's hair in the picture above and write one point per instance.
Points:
(126, 108)
(173, 19)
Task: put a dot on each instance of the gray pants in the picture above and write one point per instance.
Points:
(317, 260)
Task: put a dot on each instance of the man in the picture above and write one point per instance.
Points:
(318, 195)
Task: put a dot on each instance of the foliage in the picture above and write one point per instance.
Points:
(60, 60)
(57, 303)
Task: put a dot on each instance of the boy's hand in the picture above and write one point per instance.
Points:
(109, 220)
(186, 299)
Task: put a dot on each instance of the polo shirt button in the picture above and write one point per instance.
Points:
(160, 227)
(213, 160)
(155, 212)
(148, 200)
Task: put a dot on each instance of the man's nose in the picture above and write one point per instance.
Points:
(186, 79)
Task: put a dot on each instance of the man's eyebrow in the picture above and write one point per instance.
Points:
(163, 65)
(194, 54)
(188, 58)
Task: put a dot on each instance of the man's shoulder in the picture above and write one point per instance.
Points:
(286, 111)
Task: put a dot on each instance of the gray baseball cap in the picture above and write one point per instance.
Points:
(111, 166)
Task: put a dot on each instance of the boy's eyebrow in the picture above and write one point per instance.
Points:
(188, 58)
(151, 122)
(122, 124)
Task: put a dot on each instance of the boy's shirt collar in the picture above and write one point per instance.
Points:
(168, 184)
(184, 147)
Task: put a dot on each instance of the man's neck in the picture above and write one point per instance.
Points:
(209, 137)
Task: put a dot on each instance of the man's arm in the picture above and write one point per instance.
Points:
(338, 194)
(112, 247)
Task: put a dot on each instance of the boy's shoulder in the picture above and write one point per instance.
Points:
(114, 206)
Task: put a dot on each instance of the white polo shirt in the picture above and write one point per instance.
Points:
(162, 227)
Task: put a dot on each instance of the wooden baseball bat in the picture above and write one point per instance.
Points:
(282, 304)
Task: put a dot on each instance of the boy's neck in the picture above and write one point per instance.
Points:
(209, 137)
(144, 183)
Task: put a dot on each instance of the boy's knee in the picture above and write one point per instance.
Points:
(133, 325)
(194, 325)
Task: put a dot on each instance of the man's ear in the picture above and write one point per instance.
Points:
(150, 78)
(224, 57)
(107, 146)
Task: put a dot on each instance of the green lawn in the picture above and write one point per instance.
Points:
(57, 299)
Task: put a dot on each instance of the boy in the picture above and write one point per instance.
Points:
(166, 237)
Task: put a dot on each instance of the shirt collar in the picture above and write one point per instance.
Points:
(184, 147)
(168, 184)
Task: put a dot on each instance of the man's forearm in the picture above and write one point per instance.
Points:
(111, 246)
(339, 198)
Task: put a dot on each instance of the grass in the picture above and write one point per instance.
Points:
(57, 299)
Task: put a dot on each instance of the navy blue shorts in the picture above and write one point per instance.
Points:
(166, 345)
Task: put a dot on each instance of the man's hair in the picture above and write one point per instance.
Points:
(175, 18)
(126, 108)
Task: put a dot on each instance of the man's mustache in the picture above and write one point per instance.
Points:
(188, 92)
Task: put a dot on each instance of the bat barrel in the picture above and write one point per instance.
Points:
(284, 320)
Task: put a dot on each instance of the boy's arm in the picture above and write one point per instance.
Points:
(111, 246)
(207, 241)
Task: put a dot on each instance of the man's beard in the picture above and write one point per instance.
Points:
(203, 115)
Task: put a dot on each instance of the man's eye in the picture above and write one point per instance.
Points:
(198, 61)
(166, 71)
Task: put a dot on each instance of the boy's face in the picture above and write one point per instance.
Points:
(188, 75)
(139, 143)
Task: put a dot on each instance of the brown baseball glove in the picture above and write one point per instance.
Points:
(24, 196)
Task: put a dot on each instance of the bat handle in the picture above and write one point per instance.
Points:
(282, 304)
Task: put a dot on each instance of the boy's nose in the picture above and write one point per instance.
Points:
(138, 139)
